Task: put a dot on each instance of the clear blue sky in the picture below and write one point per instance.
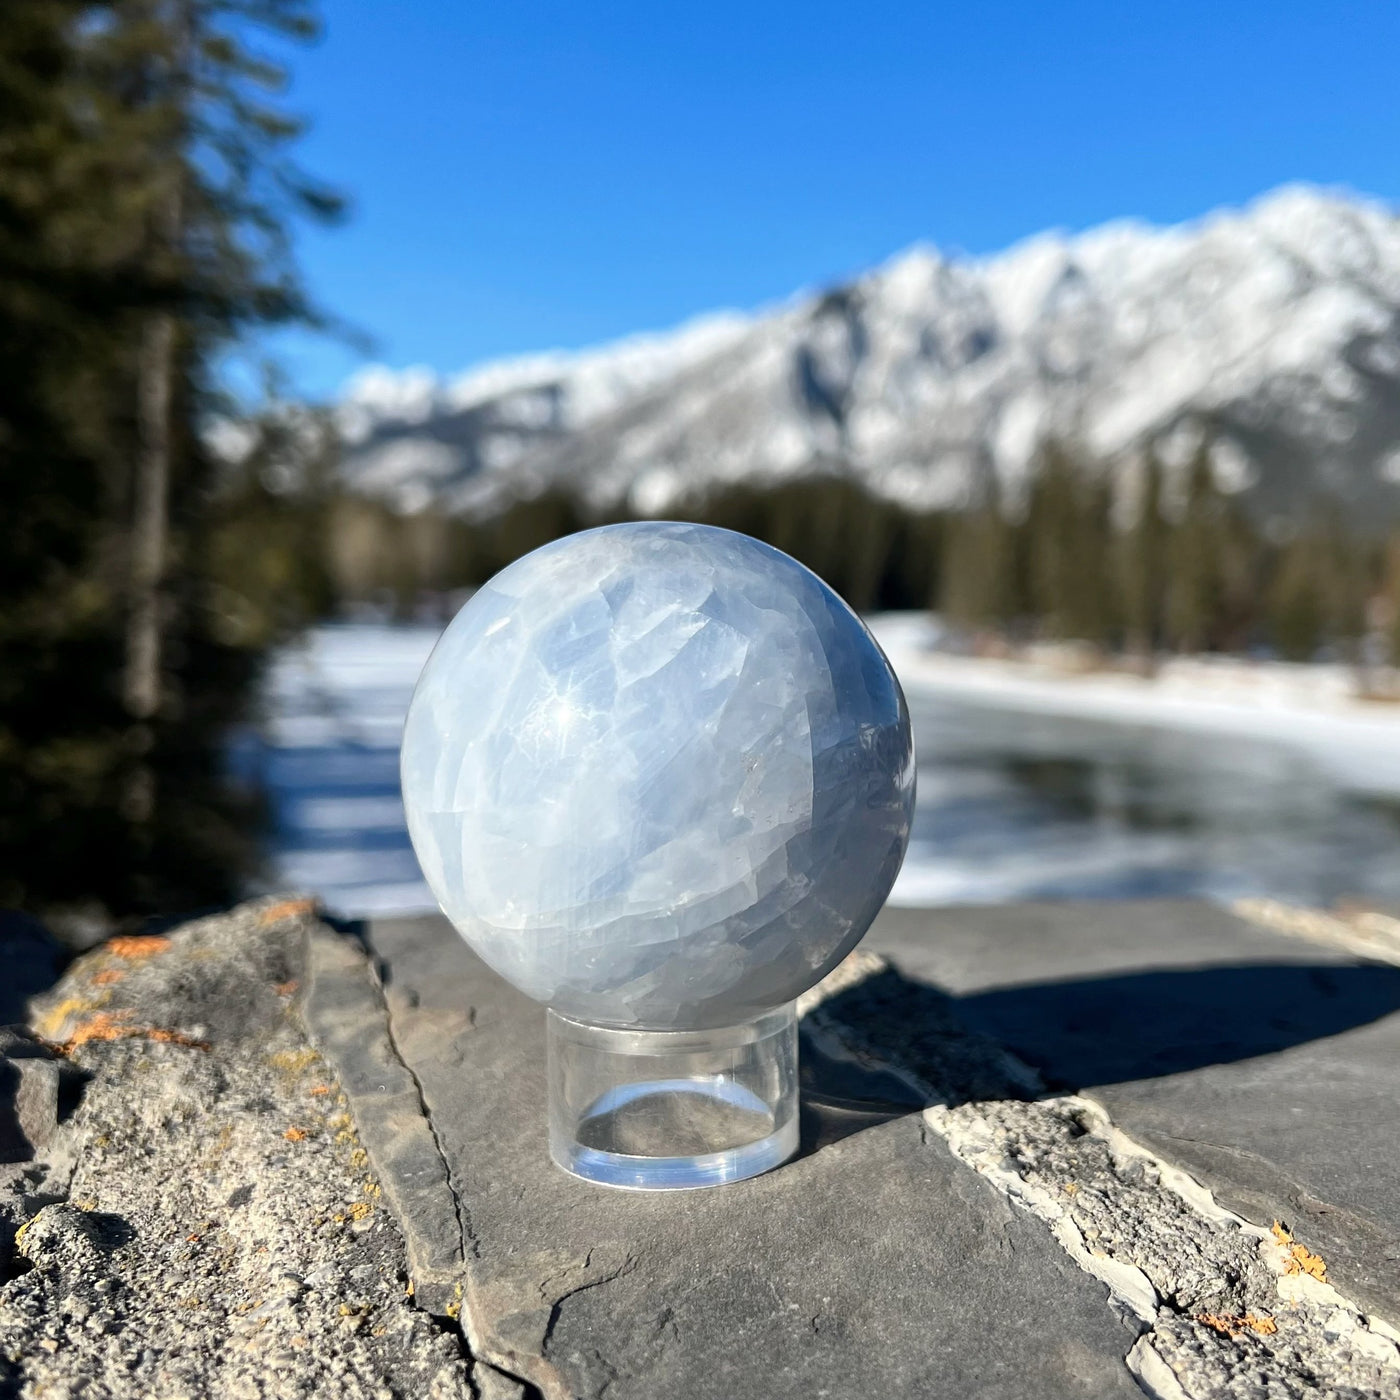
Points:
(528, 175)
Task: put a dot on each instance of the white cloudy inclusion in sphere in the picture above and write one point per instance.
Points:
(659, 776)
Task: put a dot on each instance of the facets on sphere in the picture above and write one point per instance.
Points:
(658, 775)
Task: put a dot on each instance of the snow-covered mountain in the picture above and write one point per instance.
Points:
(1272, 332)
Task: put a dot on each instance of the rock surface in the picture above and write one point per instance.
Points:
(1262, 1064)
(272, 1165)
(205, 1222)
(30, 1084)
(875, 1264)
(576, 1290)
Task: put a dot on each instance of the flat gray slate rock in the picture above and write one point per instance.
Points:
(1263, 1064)
(349, 1026)
(875, 1264)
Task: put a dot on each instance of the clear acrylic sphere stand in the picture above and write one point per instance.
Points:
(669, 1110)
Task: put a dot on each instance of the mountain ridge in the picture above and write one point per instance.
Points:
(1267, 336)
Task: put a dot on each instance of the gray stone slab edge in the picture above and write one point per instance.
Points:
(348, 1023)
(1130, 1286)
(1043, 1153)
(1366, 934)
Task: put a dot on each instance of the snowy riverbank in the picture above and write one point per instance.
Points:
(1311, 708)
(1210, 781)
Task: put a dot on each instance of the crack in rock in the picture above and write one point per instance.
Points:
(1220, 1307)
(470, 1244)
(623, 1269)
(360, 980)
(349, 1022)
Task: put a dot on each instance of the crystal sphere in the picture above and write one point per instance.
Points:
(659, 776)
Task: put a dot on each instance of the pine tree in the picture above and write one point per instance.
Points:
(1195, 588)
(1142, 566)
(1348, 569)
(1296, 609)
(63, 297)
(1322, 580)
(977, 588)
(144, 202)
(1392, 596)
(266, 546)
(1069, 537)
(919, 560)
(871, 536)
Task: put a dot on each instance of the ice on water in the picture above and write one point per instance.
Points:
(658, 775)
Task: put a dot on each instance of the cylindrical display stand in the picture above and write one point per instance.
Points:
(667, 1110)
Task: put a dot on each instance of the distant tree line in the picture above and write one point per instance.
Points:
(1198, 574)
(1182, 570)
(145, 194)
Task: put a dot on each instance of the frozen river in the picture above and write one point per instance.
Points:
(1013, 803)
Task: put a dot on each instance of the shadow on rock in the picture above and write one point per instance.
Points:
(1075, 1034)
(1142, 1025)
(30, 961)
(843, 1095)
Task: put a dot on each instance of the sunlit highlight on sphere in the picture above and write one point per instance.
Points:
(659, 776)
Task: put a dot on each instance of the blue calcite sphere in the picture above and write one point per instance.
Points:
(659, 776)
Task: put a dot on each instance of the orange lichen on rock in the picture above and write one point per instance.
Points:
(1301, 1260)
(286, 909)
(107, 978)
(320, 1090)
(1234, 1325)
(114, 1025)
(1304, 1261)
(53, 1020)
(295, 1134)
(286, 989)
(137, 946)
